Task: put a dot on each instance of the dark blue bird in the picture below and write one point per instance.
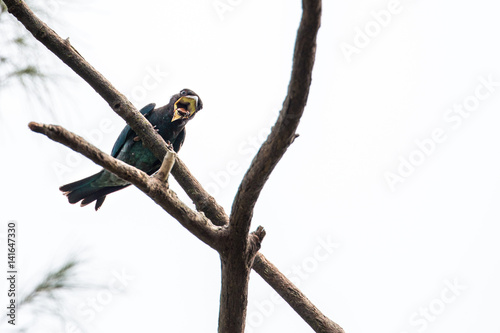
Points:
(168, 120)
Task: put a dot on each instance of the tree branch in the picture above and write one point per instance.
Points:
(118, 103)
(280, 138)
(261, 265)
(294, 297)
(155, 188)
(203, 201)
(240, 249)
(283, 132)
(71, 57)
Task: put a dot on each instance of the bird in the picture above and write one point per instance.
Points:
(169, 121)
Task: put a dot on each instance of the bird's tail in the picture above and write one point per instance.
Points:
(87, 192)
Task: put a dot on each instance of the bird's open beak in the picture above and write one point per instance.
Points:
(185, 107)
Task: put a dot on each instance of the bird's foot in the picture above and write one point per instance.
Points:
(170, 146)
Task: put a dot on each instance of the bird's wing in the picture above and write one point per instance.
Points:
(127, 131)
(179, 140)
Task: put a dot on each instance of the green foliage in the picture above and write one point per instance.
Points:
(46, 303)
(22, 63)
(56, 281)
(15, 47)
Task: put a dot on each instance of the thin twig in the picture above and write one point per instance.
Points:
(166, 166)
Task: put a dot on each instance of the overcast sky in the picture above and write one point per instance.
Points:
(385, 211)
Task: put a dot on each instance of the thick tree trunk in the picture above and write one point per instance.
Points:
(232, 310)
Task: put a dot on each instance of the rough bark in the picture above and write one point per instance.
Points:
(238, 259)
(294, 297)
(203, 201)
(235, 268)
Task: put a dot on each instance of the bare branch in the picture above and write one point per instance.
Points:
(120, 104)
(283, 132)
(240, 249)
(68, 54)
(195, 222)
(204, 202)
(280, 138)
(294, 297)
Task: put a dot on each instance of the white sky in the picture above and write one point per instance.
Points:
(391, 254)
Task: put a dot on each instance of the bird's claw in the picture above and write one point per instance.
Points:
(170, 146)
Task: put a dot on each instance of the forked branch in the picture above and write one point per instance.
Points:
(270, 153)
(118, 103)
(240, 251)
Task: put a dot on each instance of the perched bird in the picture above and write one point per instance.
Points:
(169, 121)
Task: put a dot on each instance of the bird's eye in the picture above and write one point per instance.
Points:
(183, 92)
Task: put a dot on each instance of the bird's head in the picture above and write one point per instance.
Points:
(186, 104)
